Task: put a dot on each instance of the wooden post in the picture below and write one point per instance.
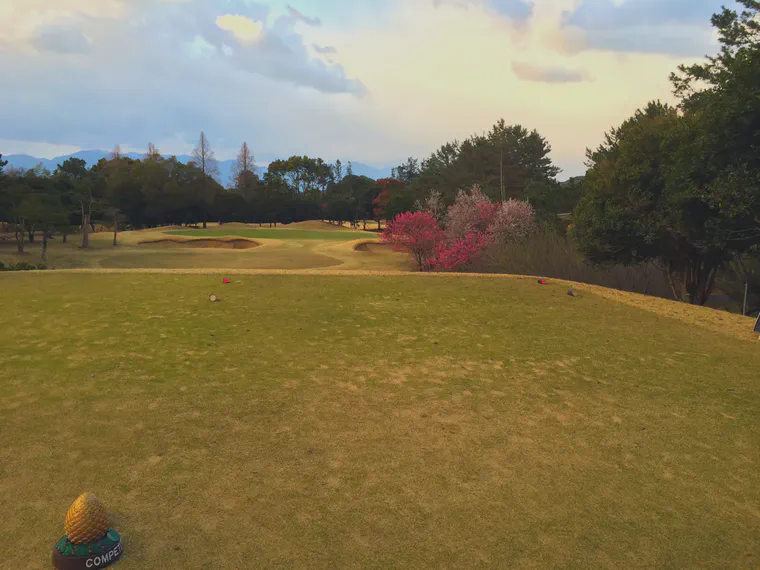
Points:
(501, 174)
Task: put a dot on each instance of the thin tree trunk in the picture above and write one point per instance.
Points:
(710, 283)
(418, 255)
(44, 245)
(671, 281)
(65, 237)
(702, 282)
(20, 236)
(31, 234)
(86, 231)
(365, 225)
(378, 225)
(688, 281)
(646, 278)
(115, 232)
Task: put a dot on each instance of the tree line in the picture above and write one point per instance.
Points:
(507, 162)
(123, 192)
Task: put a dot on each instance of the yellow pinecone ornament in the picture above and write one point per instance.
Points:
(86, 520)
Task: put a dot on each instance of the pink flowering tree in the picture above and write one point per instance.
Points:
(467, 236)
(417, 233)
(514, 221)
(474, 224)
(472, 212)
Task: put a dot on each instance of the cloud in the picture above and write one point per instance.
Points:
(605, 14)
(548, 74)
(178, 72)
(300, 17)
(40, 150)
(679, 41)
(516, 10)
(675, 27)
(324, 50)
(246, 31)
(280, 53)
(61, 39)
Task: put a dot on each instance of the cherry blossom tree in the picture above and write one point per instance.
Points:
(515, 220)
(471, 212)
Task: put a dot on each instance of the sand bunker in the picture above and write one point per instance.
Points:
(374, 247)
(203, 243)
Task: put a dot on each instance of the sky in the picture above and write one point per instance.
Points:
(372, 81)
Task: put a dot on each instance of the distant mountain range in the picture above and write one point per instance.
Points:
(91, 157)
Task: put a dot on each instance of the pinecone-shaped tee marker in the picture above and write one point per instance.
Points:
(87, 541)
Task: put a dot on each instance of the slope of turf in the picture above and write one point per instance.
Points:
(373, 422)
(274, 233)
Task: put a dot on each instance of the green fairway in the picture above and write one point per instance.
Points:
(374, 422)
(274, 233)
(302, 247)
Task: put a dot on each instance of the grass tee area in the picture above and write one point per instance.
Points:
(375, 422)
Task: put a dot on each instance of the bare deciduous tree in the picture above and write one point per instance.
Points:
(244, 173)
(204, 159)
(153, 153)
(245, 165)
(433, 204)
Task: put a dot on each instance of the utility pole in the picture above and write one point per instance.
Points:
(746, 290)
(501, 173)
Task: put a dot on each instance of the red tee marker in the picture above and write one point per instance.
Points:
(542, 281)
(225, 281)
